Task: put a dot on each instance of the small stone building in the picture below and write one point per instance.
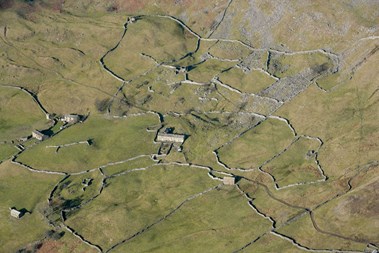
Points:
(131, 20)
(15, 213)
(169, 137)
(39, 136)
(229, 180)
(23, 139)
(49, 116)
(71, 118)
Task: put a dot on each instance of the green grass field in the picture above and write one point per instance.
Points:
(305, 234)
(161, 38)
(220, 220)
(293, 166)
(354, 214)
(265, 203)
(345, 119)
(113, 140)
(6, 151)
(19, 114)
(257, 145)
(56, 56)
(119, 216)
(141, 162)
(251, 82)
(20, 188)
(136, 203)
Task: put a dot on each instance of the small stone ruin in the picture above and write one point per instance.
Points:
(229, 180)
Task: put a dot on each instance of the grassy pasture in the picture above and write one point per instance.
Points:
(207, 132)
(250, 82)
(279, 211)
(6, 151)
(161, 38)
(218, 221)
(354, 58)
(20, 188)
(135, 200)
(113, 140)
(141, 162)
(293, 166)
(19, 114)
(304, 233)
(57, 57)
(257, 145)
(353, 214)
(345, 119)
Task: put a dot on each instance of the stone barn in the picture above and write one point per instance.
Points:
(39, 136)
(71, 118)
(169, 137)
(15, 213)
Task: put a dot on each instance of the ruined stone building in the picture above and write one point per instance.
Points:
(39, 136)
(229, 180)
(23, 139)
(71, 118)
(50, 116)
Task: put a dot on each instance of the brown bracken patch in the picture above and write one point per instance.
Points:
(50, 246)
